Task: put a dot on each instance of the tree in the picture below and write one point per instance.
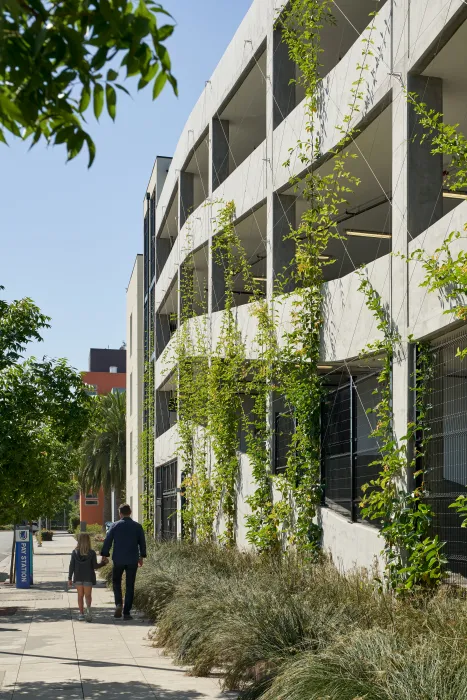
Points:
(103, 449)
(57, 57)
(44, 411)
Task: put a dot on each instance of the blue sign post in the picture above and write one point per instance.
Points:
(31, 556)
(23, 557)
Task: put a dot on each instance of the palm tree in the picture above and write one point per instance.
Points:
(103, 450)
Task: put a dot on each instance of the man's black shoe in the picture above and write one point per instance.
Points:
(118, 611)
(128, 617)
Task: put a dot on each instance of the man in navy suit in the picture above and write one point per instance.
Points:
(129, 550)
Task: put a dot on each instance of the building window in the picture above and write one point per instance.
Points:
(131, 334)
(118, 390)
(347, 450)
(91, 389)
(131, 452)
(91, 499)
(284, 428)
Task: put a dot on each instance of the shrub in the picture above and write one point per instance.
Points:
(74, 524)
(294, 629)
(47, 535)
(375, 665)
(92, 529)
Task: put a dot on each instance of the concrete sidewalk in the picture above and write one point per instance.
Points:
(46, 653)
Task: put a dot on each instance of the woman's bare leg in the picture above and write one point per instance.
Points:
(80, 591)
(88, 595)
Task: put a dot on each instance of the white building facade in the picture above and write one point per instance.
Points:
(134, 394)
(234, 148)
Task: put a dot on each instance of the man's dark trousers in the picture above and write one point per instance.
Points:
(130, 578)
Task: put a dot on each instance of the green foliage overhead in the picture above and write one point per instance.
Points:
(43, 414)
(102, 453)
(57, 58)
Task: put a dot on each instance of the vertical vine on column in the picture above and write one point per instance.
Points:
(301, 24)
(414, 559)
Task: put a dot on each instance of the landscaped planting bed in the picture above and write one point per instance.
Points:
(293, 629)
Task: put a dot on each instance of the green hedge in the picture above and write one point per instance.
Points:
(47, 535)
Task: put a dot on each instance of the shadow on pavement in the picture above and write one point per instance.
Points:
(89, 663)
(89, 690)
(100, 615)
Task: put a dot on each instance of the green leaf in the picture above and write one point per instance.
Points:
(164, 56)
(98, 99)
(123, 89)
(112, 74)
(148, 76)
(111, 98)
(165, 31)
(85, 99)
(159, 83)
(173, 83)
(91, 149)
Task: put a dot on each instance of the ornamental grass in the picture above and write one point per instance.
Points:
(292, 628)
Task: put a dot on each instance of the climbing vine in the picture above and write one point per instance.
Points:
(413, 558)
(299, 379)
(227, 376)
(190, 357)
(445, 273)
(263, 522)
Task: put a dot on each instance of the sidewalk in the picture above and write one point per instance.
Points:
(46, 653)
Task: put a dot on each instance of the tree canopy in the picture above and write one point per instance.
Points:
(58, 57)
(103, 450)
(44, 411)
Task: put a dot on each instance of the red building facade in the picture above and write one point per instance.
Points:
(107, 373)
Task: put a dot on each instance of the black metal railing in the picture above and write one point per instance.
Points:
(348, 450)
(445, 461)
(166, 501)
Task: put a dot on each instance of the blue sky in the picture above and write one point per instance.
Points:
(69, 235)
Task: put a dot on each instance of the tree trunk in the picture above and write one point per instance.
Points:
(107, 506)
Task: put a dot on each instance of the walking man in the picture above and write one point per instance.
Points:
(129, 549)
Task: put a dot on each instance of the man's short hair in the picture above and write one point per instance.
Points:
(125, 509)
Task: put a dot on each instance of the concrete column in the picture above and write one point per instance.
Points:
(187, 196)
(401, 172)
(425, 174)
(162, 412)
(283, 74)
(220, 152)
(162, 332)
(283, 248)
(163, 249)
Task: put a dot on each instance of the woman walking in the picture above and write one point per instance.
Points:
(82, 573)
